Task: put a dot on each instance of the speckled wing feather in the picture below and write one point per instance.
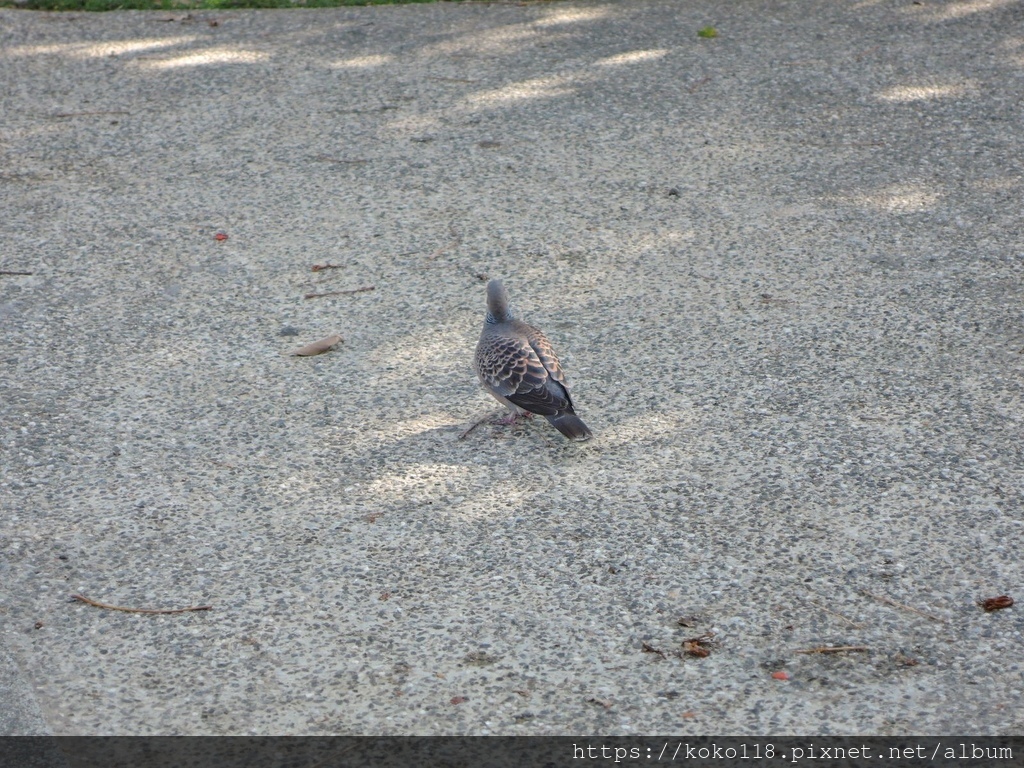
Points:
(515, 362)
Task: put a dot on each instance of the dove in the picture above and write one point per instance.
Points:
(516, 364)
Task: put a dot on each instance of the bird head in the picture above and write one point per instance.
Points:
(497, 302)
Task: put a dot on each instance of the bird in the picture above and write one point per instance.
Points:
(516, 364)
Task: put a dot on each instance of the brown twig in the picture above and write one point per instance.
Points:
(98, 604)
(340, 293)
(322, 267)
(693, 88)
(866, 53)
(441, 250)
(451, 79)
(894, 604)
(842, 144)
(456, 241)
(12, 272)
(93, 114)
(340, 160)
(835, 649)
(648, 648)
(473, 426)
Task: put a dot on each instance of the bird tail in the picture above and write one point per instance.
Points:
(570, 425)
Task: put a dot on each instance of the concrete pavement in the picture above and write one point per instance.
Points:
(783, 267)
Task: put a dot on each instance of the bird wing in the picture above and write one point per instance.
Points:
(545, 353)
(516, 367)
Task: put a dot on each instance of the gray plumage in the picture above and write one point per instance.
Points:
(516, 364)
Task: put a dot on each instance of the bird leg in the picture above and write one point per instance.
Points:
(513, 418)
(473, 426)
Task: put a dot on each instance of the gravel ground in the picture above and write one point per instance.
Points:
(784, 268)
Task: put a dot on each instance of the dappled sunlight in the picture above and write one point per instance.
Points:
(410, 356)
(500, 40)
(997, 184)
(572, 16)
(901, 94)
(632, 57)
(361, 62)
(1016, 46)
(536, 88)
(415, 483)
(639, 428)
(42, 50)
(406, 125)
(207, 57)
(958, 10)
(670, 237)
(97, 50)
(134, 46)
(425, 423)
(897, 198)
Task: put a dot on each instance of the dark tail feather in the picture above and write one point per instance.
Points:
(570, 425)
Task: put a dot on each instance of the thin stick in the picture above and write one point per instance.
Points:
(321, 267)
(844, 144)
(835, 649)
(693, 88)
(340, 160)
(140, 610)
(456, 241)
(442, 249)
(452, 79)
(475, 424)
(894, 604)
(340, 293)
(648, 648)
(13, 272)
(91, 114)
(849, 621)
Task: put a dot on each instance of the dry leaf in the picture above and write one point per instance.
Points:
(695, 649)
(648, 648)
(317, 347)
(699, 646)
(996, 603)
